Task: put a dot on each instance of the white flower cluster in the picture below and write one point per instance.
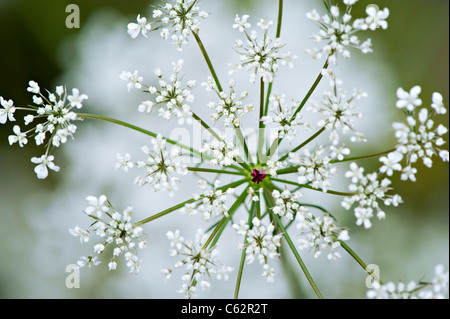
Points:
(285, 124)
(337, 107)
(56, 110)
(286, 203)
(160, 166)
(211, 200)
(229, 106)
(170, 99)
(339, 30)
(222, 153)
(368, 191)
(200, 262)
(176, 20)
(262, 244)
(413, 290)
(259, 56)
(417, 138)
(319, 233)
(314, 168)
(117, 230)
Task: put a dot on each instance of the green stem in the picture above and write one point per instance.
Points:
(242, 262)
(280, 17)
(358, 260)
(303, 144)
(355, 158)
(192, 200)
(297, 256)
(277, 141)
(137, 128)
(217, 232)
(218, 171)
(310, 187)
(261, 124)
(219, 87)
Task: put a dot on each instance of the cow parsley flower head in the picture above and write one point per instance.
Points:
(338, 109)
(176, 20)
(259, 56)
(160, 166)
(419, 137)
(115, 230)
(213, 199)
(171, 98)
(230, 106)
(368, 191)
(262, 244)
(282, 119)
(200, 262)
(54, 116)
(338, 30)
(319, 233)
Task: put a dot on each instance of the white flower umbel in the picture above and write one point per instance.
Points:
(281, 119)
(314, 168)
(230, 106)
(116, 230)
(369, 190)
(199, 261)
(222, 153)
(176, 21)
(338, 109)
(419, 137)
(319, 233)
(54, 114)
(160, 166)
(286, 203)
(211, 200)
(338, 31)
(171, 98)
(259, 56)
(436, 289)
(262, 244)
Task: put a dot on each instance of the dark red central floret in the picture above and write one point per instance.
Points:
(258, 175)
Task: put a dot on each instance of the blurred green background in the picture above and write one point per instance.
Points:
(415, 50)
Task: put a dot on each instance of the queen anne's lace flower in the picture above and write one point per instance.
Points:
(337, 107)
(262, 244)
(222, 153)
(258, 56)
(282, 122)
(200, 262)
(160, 166)
(211, 200)
(230, 106)
(418, 137)
(116, 230)
(339, 31)
(171, 98)
(176, 21)
(286, 203)
(319, 233)
(56, 110)
(368, 190)
(314, 168)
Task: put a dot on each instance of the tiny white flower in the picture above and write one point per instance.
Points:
(43, 162)
(140, 27)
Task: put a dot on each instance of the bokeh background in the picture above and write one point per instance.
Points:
(35, 245)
